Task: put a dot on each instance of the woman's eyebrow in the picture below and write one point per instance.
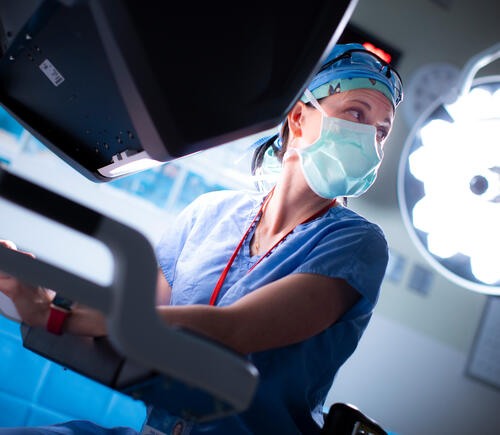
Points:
(387, 120)
(364, 103)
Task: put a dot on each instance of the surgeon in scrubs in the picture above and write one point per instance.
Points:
(287, 276)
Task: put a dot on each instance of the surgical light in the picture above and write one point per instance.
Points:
(449, 180)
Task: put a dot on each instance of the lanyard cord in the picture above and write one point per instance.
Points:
(222, 278)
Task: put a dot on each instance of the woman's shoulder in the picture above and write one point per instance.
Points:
(229, 194)
(221, 201)
(345, 218)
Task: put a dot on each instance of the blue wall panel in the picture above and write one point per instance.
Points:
(39, 416)
(22, 371)
(73, 394)
(14, 411)
(37, 392)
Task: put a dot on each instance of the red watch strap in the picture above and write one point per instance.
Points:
(56, 319)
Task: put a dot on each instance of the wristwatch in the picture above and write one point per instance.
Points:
(60, 308)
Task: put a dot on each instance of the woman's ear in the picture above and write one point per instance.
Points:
(295, 119)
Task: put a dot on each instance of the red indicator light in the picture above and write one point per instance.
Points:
(379, 52)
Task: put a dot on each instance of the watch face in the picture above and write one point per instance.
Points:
(59, 301)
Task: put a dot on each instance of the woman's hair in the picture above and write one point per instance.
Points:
(260, 151)
(258, 155)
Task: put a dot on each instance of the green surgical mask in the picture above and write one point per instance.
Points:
(344, 160)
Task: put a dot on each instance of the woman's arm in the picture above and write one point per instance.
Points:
(33, 303)
(163, 289)
(284, 312)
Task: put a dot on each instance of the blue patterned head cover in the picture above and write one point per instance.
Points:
(357, 70)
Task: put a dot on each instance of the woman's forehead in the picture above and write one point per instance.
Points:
(371, 98)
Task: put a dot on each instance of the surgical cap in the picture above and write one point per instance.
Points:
(340, 78)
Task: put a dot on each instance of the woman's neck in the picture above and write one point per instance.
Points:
(291, 203)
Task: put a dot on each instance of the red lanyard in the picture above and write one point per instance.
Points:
(235, 253)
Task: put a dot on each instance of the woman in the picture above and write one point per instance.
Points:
(290, 277)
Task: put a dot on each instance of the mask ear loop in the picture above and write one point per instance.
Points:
(312, 99)
(314, 102)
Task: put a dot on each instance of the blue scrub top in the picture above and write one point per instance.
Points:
(294, 379)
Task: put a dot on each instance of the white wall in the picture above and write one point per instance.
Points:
(413, 385)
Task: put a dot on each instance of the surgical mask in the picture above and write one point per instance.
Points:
(343, 161)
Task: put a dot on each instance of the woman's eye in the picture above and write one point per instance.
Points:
(356, 114)
(381, 134)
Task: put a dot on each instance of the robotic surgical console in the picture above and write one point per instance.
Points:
(111, 87)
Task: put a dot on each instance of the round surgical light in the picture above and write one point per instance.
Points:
(449, 186)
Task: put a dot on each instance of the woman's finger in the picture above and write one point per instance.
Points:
(8, 244)
(4, 275)
(11, 245)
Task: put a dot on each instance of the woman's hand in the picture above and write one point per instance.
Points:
(32, 303)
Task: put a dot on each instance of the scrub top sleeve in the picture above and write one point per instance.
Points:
(359, 255)
(173, 239)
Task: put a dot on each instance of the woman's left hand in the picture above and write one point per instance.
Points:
(32, 303)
